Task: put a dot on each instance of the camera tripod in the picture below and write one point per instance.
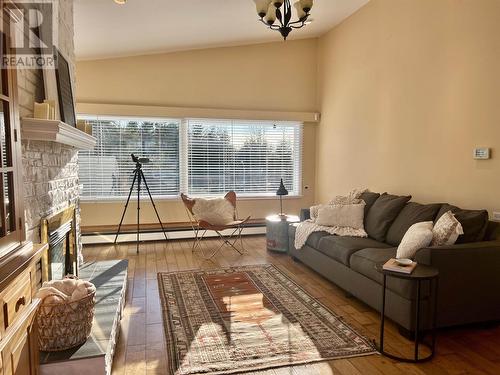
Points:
(139, 178)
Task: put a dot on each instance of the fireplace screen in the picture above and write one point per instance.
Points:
(59, 232)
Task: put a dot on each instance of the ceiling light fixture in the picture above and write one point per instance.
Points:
(120, 2)
(271, 10)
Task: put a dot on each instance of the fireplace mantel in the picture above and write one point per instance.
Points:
(56, 131)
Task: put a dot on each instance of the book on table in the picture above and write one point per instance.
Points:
(393, 266)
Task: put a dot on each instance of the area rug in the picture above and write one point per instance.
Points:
(248, 318)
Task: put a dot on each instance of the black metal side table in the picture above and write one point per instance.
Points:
(419, 274)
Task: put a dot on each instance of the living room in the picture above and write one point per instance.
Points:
(259, 187)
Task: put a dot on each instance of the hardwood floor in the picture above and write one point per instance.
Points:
(141, 350)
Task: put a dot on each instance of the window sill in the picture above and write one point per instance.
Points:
(178, 198)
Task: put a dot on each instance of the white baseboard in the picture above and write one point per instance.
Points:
(90, 239)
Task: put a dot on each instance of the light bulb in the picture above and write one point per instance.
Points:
(262, 6)
(120, 2)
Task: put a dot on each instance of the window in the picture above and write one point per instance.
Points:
(198, 156)
(249, 157)
(107, 170)
(11, 231)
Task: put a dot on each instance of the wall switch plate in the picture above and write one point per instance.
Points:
(481, 153)
(496, 216)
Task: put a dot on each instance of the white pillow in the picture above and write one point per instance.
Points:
(418, 236)
(216, 211)
(335, 215)
(446, 230)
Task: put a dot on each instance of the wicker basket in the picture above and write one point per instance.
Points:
(65, 325)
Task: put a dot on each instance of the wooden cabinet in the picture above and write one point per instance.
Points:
(19, 353)
(20, 348)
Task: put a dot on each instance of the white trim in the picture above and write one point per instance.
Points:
(90, 239)
(56, 131)
(188, 112)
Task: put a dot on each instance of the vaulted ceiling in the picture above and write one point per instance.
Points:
(106, 29)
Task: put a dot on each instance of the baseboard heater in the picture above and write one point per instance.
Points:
(172, 234)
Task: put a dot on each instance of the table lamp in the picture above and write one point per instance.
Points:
(281, 192)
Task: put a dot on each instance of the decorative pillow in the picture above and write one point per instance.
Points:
(313, 211)
(382, 214)
(417, 237)
(336, 215)
(474, 222)
(216, 211)
(369, 199)
(446, 230)
(411, 213)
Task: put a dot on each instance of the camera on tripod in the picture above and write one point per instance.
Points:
(139, 160)
(137, 181)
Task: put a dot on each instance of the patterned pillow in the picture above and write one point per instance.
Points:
(417, 237)
(446, 230)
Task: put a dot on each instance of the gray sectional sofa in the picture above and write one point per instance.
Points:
(469, 283)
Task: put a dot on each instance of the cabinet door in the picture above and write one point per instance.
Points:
(20, 354)
(17, 360)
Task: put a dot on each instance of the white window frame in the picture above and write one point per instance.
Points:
(183, 161)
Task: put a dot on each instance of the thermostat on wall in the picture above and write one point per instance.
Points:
(481, 153)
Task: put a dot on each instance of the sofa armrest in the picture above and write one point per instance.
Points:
(469, 280)
(305, 214)
(474, 252)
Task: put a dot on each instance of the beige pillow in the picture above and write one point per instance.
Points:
(418, 236)
(336, 215)
(446, 230)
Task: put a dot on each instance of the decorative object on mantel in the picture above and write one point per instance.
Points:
(41, 111)
(271, 10)
(56, 131)
(64, 89)
(84, 126)
(45, 110)
(280, 193)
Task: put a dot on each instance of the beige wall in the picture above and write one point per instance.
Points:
(407, 89)
(274, 77)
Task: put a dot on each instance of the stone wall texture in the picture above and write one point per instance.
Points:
(50, 169)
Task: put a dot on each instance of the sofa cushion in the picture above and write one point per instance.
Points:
(411, 213)
(364, 262)
(369, 199)
(381, 215)
(314, 239)
(474, 222)
(341, 248)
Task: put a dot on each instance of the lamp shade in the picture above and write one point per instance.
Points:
(270, 17)
(306, 5)
(282, 189)
(300, 10)
(262, 6)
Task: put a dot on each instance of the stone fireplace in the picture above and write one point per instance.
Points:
(59, 232)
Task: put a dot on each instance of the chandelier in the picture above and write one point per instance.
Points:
(271, 10)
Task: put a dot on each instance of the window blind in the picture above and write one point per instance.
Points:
(198, 156)
(249, 157)
(107, 170)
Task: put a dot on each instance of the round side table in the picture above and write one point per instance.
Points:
(277, 231)
(419, 274)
